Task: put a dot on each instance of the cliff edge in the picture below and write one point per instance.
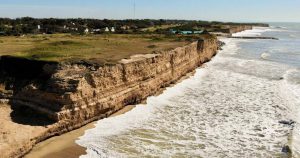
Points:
(73, 94)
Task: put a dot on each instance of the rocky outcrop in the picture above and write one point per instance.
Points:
(75, 94)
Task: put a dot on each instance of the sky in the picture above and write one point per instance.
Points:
(211, 10)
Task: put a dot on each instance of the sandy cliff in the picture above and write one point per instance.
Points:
(238, 28)
(75, 94)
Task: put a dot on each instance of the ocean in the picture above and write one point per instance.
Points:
(244, 103)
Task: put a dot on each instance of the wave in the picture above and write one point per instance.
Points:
(265, 56)
(231, 46)
(290, 90)
(256, 31)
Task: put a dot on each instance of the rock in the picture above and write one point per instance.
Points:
(290, 122)
(286, 149)
(261, 135)
(220, 45)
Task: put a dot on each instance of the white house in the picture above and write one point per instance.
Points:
(112, 29)
(86, 31)
(96, 30)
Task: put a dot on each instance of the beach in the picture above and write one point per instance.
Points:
(64, 146)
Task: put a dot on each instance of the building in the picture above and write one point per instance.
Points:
(198, 32)
(125, 27)
(113, 29)
(185, 32)
(86, 31)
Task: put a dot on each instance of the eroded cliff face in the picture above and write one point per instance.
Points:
(75, 94)
(80, 93)
(238, 28)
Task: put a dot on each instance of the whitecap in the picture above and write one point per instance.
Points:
(265, 56)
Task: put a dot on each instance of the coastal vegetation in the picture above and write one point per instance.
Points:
(107, 48)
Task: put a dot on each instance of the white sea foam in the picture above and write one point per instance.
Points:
(265, 56)
(231, 108)
(230, 47)
(256, 31)
(290, 90)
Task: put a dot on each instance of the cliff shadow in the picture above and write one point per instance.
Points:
(27, 116)
(15, 74)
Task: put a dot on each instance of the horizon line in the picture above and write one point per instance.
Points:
(151, 19)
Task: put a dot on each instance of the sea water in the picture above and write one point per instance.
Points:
(233, 107)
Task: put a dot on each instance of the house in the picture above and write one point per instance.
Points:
(174, 31)
(96, 30)
(198, 32)
(86, 31)
(185, 32)
(125, 27)
(113, 29)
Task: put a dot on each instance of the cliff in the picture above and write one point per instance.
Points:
(238, 28)
(74, 94)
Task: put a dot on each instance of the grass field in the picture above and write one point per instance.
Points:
(103, 48)
(154, 28)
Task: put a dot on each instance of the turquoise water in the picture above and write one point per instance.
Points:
(230, 108)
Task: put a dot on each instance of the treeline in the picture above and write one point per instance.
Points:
(28, 25)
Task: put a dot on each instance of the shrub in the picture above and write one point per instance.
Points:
(152, 46)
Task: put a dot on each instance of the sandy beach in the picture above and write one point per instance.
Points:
(17, 129)
(64, 146)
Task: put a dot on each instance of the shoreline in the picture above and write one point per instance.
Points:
(64, 145)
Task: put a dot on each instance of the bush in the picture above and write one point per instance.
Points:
(152, 46)
(156, 39)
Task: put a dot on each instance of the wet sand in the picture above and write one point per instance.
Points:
(64, 146)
